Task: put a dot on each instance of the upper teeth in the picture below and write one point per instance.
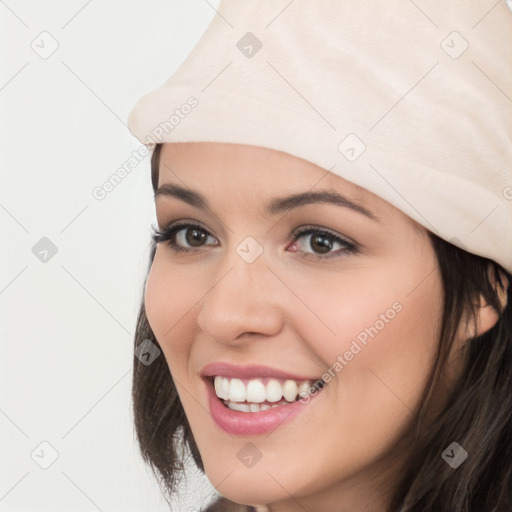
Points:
(255, 390)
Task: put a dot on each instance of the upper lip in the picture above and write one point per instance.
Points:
(252, 371)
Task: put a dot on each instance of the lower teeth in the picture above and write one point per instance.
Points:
(252, 407)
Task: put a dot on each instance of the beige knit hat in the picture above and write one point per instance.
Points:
(411, 100)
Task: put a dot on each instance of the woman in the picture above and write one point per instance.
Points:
(329, 279)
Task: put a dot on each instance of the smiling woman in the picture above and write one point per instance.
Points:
(292, 311)
(332, 340)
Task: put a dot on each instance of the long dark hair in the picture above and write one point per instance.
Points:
(477, 414)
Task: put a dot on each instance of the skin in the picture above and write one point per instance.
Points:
(297, 313)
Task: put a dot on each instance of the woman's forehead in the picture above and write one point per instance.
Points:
(253, 163)
(261, 173)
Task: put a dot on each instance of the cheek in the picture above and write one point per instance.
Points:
(372, 318)
(170, 296)
(379, 357)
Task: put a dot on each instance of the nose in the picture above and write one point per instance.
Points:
(243, 298)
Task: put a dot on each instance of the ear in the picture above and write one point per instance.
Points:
(487, 316)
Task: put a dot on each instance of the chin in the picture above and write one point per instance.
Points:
(248, 488)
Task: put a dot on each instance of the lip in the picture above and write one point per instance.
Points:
(252, 423)
(252, 371)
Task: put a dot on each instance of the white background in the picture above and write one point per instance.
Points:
(67, 324)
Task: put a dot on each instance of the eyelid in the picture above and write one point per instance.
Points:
(313, 227)
(169, 231)
(350, 246)
(183, 222)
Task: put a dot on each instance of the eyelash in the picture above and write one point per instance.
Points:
(168, 233)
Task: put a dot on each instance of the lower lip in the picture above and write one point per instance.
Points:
(252, 423)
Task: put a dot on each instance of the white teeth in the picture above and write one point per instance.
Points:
(239, 407)
(302, 389)
(217, 383)
(224, 387)
(256, 392)
(237, 391)
(290, 390)
(235, 406)
(274, 391)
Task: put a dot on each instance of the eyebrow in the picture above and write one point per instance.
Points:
(275, 206)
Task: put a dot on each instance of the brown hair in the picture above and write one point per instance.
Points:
(477, 415)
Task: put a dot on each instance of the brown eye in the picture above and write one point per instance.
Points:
(195, 237)
(183, 237)
(320, 243)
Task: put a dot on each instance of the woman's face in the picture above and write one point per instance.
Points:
(362, 313)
